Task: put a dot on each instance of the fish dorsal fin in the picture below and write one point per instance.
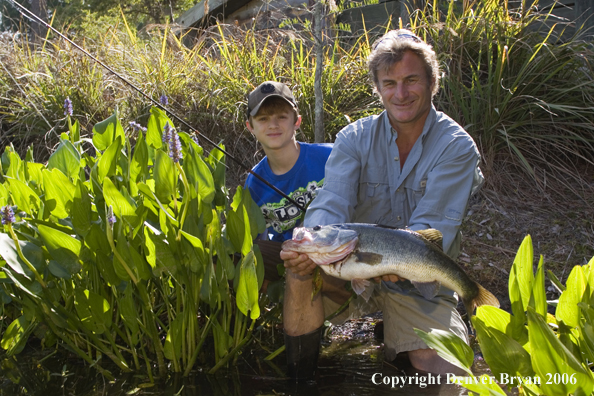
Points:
(432, 235)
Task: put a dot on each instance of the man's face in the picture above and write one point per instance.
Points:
(405, 90)
(274, 129)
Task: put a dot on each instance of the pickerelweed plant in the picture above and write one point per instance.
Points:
(128, 253)
(531, 349)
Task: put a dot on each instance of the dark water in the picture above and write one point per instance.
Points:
(351, 363)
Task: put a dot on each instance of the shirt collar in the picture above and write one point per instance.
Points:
(431, 117)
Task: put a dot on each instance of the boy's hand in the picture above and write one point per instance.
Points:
(299, 264)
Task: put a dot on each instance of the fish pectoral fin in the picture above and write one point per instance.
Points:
(360, 287)
(427, 289)
(368, 258)
(432, 235)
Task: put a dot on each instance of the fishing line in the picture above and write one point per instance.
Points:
(29, 15)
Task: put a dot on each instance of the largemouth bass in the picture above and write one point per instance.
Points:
(358, 252)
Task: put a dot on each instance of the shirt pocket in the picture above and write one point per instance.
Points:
(374, 194)
(415, 190)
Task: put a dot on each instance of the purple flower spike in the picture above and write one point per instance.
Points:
(111, 219)
(7, 215)
(164, 100)
(167, 131)
(175, 147)
(137, 127)
(68, 107)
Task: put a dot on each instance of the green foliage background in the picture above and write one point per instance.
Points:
(128, 254)
(524, 94)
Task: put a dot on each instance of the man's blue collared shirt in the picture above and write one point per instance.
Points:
(364, 182)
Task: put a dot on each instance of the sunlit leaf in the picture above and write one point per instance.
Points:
(108, 162)
(15, 336)
(197, 250)
(257, 221)
(66, 159)
(567, 308)
(3, 195)
(501, 320)
(59, 193)
(538, 299)
(503, 354)
(449, 347)
(122, 208)
(80, 214)
(139, 163)
(62, 247)
(165, 176)
(106, 132)
(199, 175)
(32, 252)
(15, 169)
(155, 126)
(523, 272)
(24, 197)
(247, 292)
(158, 254)
(549, 357)
(484, 385)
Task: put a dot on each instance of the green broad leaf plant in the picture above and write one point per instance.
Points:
(530, 349)
(128, 246)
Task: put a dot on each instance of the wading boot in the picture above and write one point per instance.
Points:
(302, 355)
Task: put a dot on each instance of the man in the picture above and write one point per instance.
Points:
(411, 166)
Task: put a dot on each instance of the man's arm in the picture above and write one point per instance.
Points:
(336, 201)
(449, 186)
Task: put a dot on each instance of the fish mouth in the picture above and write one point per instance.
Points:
(335, 256)
(322, 249)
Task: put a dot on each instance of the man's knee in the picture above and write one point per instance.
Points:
(428, 360)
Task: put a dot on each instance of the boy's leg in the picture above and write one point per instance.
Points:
(303, 318)
(301, 313)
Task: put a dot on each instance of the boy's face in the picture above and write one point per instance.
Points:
(274, 127)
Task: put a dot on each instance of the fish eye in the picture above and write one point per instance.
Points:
(317, 228)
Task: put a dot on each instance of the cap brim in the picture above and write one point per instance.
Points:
(257, 107)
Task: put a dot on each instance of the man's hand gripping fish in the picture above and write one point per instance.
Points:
(358, 252)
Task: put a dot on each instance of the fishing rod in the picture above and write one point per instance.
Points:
(29, 15)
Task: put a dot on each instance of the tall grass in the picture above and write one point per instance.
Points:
(524, 95)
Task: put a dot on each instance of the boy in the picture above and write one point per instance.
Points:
(296, 168)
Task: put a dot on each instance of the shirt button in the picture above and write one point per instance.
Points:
(398, 218)
(395, 158)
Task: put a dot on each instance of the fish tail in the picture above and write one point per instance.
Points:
(483, 297)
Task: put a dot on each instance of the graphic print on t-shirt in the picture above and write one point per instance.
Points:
(283, 215)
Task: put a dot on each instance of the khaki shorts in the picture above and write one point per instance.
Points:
(402, 313)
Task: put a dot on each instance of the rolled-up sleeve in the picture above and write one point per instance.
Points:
(449, 187)
(337, 199)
